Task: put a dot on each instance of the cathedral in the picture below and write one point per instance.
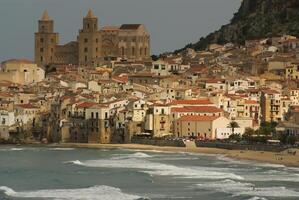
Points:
(129, 42)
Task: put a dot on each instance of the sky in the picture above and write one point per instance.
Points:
(171, 23)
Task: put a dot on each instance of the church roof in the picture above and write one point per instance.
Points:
(45, 16)
(130, 26)
(90, 14)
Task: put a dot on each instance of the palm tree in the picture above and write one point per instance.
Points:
(233, 125)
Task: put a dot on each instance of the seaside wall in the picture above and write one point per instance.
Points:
(168, 143)
(229, 146)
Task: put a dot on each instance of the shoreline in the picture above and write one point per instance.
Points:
(282, 158)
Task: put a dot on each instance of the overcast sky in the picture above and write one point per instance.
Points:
(171, 23)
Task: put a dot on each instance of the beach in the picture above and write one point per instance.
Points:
(282, 158)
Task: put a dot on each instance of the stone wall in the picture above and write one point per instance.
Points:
(230, 146)
(167, 143)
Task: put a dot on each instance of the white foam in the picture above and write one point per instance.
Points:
(248, 189)
(91, 193)
(62, 149)
(160, 169)
(134, 155)
(12, 149)
(257, 198)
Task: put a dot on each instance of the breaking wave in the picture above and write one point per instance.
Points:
(248, 189)
(134, 155)
(91, 193)
(62, 149)
(12, 149)
(160, 169)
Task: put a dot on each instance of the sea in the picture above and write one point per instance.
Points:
(39, 173)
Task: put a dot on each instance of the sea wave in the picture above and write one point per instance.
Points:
(91, 193)
(12, 149)
(160, 169)
(134, 155)
(62, 149)
(248, 189)
(257, 198)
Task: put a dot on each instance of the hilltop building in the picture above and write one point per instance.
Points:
(93, 45)
(21, 71)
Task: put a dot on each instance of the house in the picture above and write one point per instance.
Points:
(21, 71)
(204, 127)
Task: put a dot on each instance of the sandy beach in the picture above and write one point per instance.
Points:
(282, 158)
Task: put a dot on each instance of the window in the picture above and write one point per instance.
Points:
(41, 59)
(91, 115)
(85, 40)
(156, 66)
(85, 49)
(42, 40)
(122, 51)
(41, 50)
(133, 51)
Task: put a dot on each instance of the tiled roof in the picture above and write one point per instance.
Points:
(251, 102)
(191, 102)
(198, 109)
(86, 104)
(26, 106)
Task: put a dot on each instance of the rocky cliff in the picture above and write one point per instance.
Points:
(256, 19)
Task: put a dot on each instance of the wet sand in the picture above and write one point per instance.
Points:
(282, 158)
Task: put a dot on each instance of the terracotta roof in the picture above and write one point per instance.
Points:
(269, 91)
(86, 104)
(110, 28)
(123, 79)
(251, 102)
(191, 102)
(26, 106)
(198, 118)
(198, 109)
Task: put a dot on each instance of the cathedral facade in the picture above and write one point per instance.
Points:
(128, 42)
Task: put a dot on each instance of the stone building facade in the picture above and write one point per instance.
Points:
(128, 41)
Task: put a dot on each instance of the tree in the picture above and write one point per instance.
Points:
(233, 125)
(235, 137)
(248, 135)
(291, 139)
(267, 128)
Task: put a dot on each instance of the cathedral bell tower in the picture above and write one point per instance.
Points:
(45, 41)
(89, 40)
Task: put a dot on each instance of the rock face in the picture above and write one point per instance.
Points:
(256, 19)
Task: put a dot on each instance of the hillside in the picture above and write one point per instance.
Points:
(256, 19)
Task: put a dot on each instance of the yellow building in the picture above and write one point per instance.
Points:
(93, 45)
(199, 126)
(271, 106)
(292, 71)
(21, 72)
